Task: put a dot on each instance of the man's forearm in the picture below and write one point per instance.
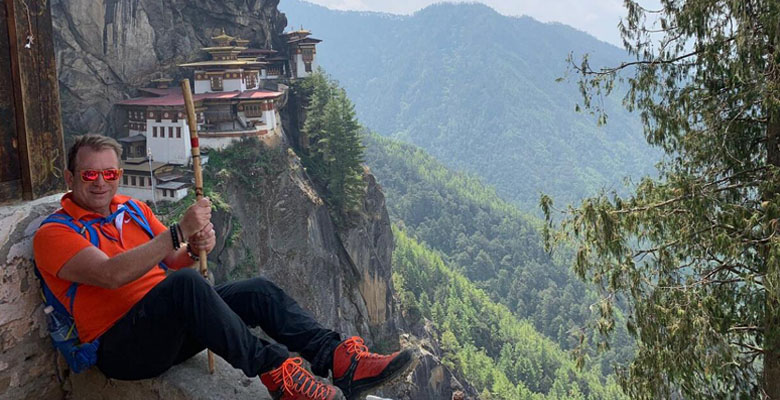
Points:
(179, 259)
(132, 264)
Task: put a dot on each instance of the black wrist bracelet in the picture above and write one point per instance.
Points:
(174, 236)
(192, 254)
(181, 233)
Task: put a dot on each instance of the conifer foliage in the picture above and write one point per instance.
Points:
(334, 155)
(503, 356)
(696, 252)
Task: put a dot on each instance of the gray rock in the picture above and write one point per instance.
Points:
(188, 381)
(341, 276)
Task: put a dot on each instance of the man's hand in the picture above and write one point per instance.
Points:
(206, 239)
(196, 218)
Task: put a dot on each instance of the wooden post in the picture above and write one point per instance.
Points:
(32, 152)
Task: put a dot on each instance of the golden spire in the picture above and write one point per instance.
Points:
(223, 39)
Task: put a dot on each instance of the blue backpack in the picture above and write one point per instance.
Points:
(81, 356)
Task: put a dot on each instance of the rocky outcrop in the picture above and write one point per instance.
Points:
(105, 49)
(343, 276)
(431, 379)
(187, 381)
(287, 235)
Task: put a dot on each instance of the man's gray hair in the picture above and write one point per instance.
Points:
(94, 142)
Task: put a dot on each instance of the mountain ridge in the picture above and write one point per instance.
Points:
(478, 90)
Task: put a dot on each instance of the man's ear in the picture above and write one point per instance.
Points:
(69, 178)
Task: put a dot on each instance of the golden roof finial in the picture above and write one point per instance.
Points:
(223, 39)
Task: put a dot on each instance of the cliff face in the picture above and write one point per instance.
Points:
(279, 227)
(106, 48)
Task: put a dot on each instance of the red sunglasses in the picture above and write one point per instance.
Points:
(91, 175)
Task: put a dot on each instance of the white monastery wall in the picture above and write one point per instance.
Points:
(229, 85)
(202, 86)
(174, 150)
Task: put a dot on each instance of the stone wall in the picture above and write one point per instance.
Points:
(28, 363)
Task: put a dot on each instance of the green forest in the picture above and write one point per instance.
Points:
(503, 356)
(487, 240)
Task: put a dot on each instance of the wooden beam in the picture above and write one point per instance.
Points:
(10, 164)
(36, 97)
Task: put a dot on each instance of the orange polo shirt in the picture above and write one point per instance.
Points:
(95, 309)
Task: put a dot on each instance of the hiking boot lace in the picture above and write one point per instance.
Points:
(287, 374)
(356, 345)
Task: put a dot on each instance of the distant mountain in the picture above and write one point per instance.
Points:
(477, 90)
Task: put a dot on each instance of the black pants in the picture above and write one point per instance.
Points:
(183, 315)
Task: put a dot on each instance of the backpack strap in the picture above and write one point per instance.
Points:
(138, 216)
(86, 229)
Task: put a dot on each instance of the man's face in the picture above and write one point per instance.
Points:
(96, 195)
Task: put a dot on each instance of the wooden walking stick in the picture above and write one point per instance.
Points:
(192, 121)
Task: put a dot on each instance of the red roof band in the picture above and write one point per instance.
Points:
(173, 97)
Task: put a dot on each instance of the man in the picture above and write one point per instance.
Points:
(147, 321)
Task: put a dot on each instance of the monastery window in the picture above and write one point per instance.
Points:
(307, 65)
(178, 132)
(132, 181)
(216, 83)
(308, 55)
(124, 180)
(142, 181)
(154, 131)
(253, 110)
(170, 132)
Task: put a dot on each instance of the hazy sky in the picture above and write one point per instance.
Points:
(597, 17)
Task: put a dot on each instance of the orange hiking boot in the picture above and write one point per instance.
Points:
(291, 382)
(355, 370)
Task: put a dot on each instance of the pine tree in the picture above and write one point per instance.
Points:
(335, 155)
(696, 252)
(318, 90)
